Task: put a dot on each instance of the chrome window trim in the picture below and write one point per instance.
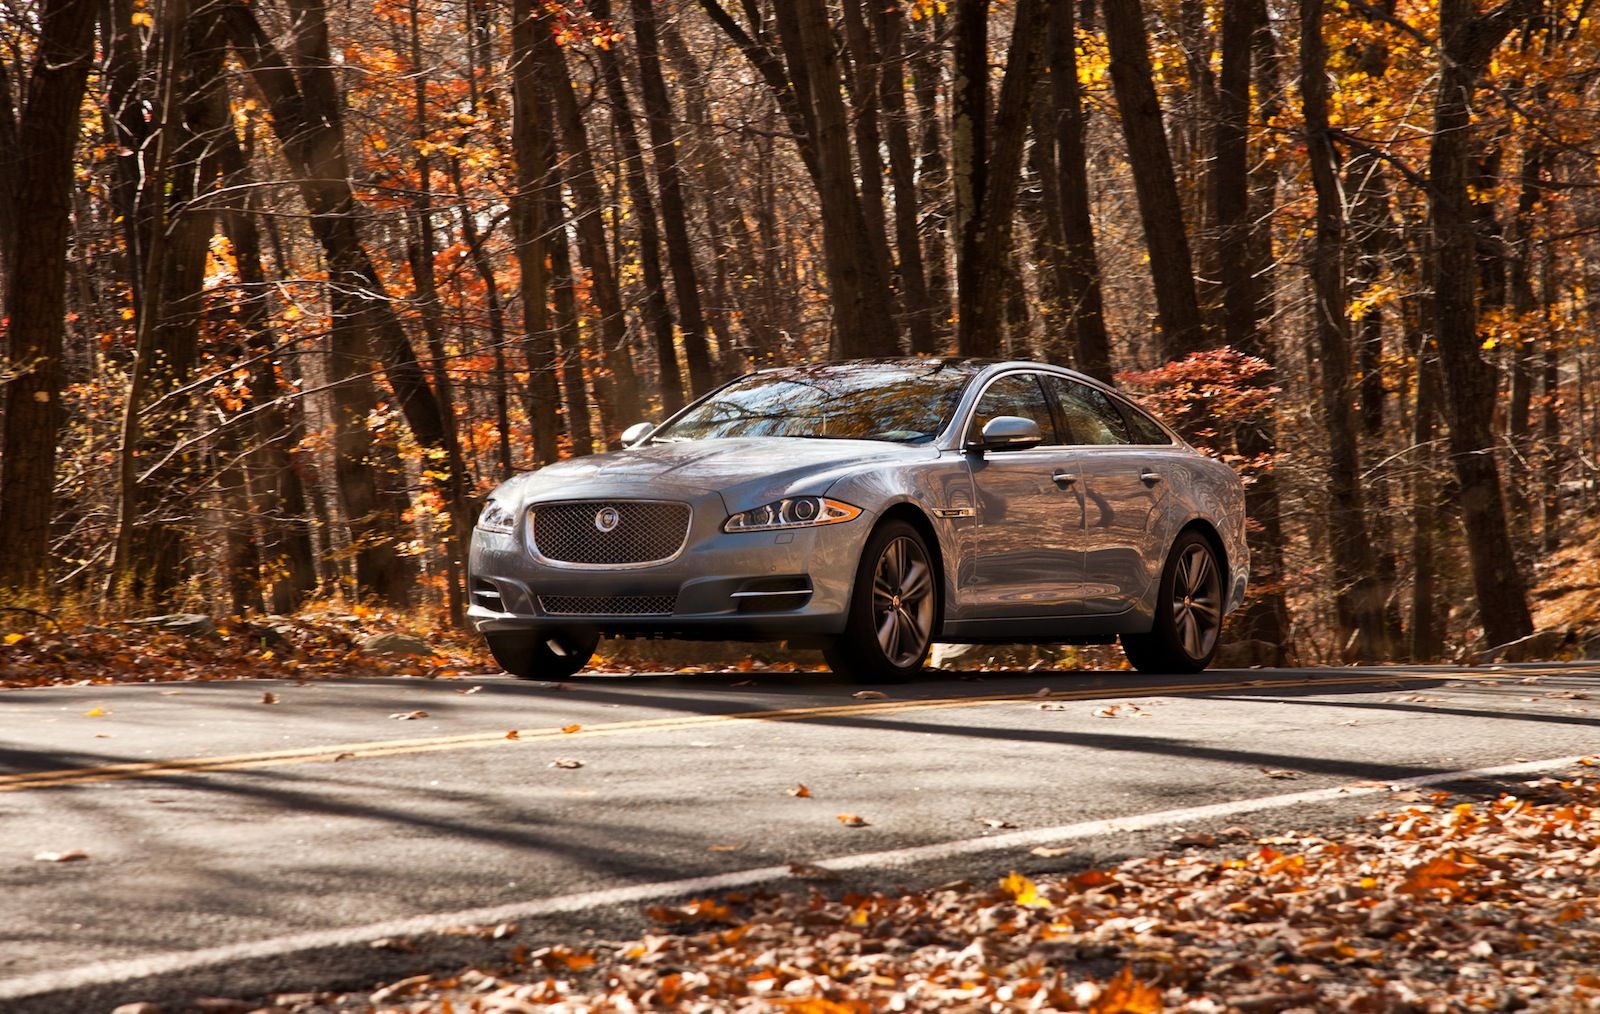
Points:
(533, 546)
(971, 410)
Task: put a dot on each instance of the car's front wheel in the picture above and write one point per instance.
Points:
(546, 656)
(1188, 620)
(892, 611)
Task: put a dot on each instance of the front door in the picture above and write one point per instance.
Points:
(1029, 512)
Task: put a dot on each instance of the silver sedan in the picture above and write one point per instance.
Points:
(872, 508)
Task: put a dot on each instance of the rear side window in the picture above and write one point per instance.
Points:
(1143, 428)
(1016, 394)
(1089, 415)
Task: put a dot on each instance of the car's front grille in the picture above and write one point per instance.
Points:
(601, 533)
(608, 605)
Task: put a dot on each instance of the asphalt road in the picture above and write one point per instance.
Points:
(289, 831)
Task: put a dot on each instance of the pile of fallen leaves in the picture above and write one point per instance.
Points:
(1475, 906)
(308, 645)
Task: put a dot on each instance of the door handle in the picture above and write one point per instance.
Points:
(1149, 478)
(1065, 478)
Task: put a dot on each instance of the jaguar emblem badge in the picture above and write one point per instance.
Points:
(607, 519)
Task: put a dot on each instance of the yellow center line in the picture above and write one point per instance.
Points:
(434, 744)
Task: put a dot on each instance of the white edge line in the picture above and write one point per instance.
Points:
(110, 972)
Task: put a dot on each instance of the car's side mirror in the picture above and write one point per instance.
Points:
(1007, 433)
(637, 432)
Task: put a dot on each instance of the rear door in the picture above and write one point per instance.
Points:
(1122, 490)
(1030, 515)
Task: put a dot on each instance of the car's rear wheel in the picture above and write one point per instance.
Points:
(543, 656)
(893, 610)
(1188, 620)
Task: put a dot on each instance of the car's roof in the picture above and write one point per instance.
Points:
(972, 364)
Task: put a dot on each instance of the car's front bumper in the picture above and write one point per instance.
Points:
(719, 587)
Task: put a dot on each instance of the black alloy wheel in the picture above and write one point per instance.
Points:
(893, 611)
(545, 656)
(1188, 619)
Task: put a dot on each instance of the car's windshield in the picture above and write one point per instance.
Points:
(906, 401)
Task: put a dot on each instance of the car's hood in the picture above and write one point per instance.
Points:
(747, 472)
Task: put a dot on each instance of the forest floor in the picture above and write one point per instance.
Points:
(1441, 903)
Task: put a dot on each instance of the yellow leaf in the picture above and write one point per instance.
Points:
(95, 712)
(14, 638)
(1127, 995)
(574, 727)
(1023, 891)
(143, 18)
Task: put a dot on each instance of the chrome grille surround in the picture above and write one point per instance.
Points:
(565, 533)
(609, 605)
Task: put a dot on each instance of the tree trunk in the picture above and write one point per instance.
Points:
(863, 314)
(1467, 40)
(986, 253)
(530, 225)
(933, 177)
(618, 397)
(674, 215)
(47, 136)
(1359, 593)
(888, 24)
(1080, 278)
(1155, 185)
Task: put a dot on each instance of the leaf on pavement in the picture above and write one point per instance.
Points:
(799, 791)
(470, 690)
(347, 755)
(811, 871)
(870, 695)
(407, 716)
(70, 856)
(852, 820)
(1280, 773)
(269, 698)
(96, 712)
(513, 735)
(1046, 852)
(574, 727)
(398, 944)
(732, 847)
(566, 762)
(996, 823)
(696, 910)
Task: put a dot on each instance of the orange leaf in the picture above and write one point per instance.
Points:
(851, 820)
(512, 735)
(800, 791)
(574, 727)
(1127, 995)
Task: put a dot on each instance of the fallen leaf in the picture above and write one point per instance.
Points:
(470, 690)
(800, 792)
(347, 755)
(870, 695)
(995, 823)
(269, 698)
(512, 735)
(851, 820)
(1280, 773)
(744, 683)
(1023, 891)
(407, 716)
(96, 712)
(399, 944)
(70, 856)
(725, 848)
(1046, 852)
(811, 871)
(1126, 995)
(574, 727)
(566, 762)
(1042, 692)
(11, 639)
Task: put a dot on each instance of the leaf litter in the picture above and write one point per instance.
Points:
(1431, 907)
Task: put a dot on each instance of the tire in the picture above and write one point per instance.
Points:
(1188, 620)
(531, 656)
(894, 609)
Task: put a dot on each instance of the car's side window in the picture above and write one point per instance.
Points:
(1016, 394)
(1142, 427)
(1089, 415)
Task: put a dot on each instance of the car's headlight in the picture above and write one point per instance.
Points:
(795, 512)
(496, 517)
